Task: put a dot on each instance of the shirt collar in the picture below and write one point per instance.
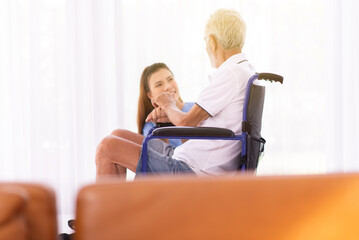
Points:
(234, 59)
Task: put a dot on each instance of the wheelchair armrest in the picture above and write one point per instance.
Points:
(193, 131)
(166, 124)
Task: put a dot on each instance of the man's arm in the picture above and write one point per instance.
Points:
(191, 119)
(168, 111)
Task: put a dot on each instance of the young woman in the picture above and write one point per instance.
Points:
(121, 145)
(156, 79)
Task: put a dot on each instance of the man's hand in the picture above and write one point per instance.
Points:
(157, 115)
(163, 100)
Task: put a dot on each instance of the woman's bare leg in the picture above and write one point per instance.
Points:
(115, 154)
(128, 135)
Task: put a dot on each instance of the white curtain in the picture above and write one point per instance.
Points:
(70, 70)
(60, 91)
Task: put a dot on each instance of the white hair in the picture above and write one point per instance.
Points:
(228, 27)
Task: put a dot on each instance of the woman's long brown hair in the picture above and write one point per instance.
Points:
(144, 103)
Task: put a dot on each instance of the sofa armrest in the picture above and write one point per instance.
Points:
(12, 213)
(39, 210)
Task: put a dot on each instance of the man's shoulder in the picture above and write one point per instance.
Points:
(231, 73)
(223, 73)
(241, 71)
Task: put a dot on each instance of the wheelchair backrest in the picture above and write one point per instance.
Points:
(255, 110)
(254, 118)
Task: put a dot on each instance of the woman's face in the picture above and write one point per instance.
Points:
(162, 81)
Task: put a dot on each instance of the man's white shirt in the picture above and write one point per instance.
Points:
(223, 100)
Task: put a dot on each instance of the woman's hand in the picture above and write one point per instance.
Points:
(157, 115)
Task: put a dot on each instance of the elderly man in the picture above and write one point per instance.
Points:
(220, 104)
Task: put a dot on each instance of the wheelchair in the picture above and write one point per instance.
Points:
(252, 141)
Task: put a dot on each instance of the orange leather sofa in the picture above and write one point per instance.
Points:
(27, 212)
(318, 207)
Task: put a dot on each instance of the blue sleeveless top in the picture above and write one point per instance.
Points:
(173, 142)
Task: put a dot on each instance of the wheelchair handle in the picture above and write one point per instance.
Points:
(270, 77)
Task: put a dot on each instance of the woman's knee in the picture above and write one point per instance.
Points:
(120, 133)
(128, 135)
(104, 148)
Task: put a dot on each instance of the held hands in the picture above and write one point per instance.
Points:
(157, 115)
(160, 103)
(163, 100)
